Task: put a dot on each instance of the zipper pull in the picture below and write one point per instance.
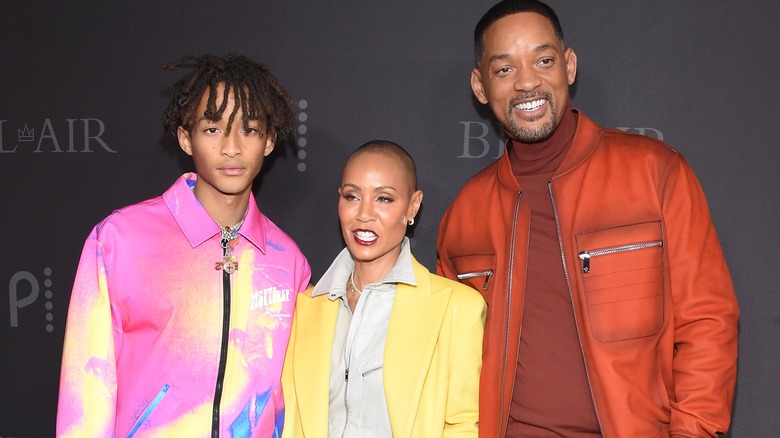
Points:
(585, 257)
(488, 273)
(346, 375)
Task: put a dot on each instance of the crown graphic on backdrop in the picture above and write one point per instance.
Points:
(26, 134)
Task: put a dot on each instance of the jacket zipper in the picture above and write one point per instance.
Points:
(222, 354)
(585, 256)
(571, 299)
(348, 357)
(148, 411)
(486, 274)
(508, 312)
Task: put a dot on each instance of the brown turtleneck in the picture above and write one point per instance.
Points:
(551, 397)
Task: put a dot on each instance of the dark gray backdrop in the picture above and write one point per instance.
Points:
(81, 94)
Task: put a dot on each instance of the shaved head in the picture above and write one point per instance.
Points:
(390, 149)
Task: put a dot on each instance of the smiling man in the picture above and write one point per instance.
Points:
(610, 307)
(182, 305)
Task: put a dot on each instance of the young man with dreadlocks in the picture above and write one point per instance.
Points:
(182, 304)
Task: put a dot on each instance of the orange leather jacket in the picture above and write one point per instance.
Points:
(652, 298)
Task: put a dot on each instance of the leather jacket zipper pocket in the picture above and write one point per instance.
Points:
(487, 274)
(585, 256)
(148, 411)
(373, 370)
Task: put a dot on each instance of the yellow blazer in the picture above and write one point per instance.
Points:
(432, 360)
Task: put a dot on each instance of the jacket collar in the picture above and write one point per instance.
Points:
(334, 280)
(585, 140)
(195, 222)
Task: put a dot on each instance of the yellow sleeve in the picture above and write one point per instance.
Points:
(467, 313)
(292, 423)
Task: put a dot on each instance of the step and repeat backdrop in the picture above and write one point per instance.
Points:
(82, 92)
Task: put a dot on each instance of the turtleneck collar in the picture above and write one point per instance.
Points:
(544, 156)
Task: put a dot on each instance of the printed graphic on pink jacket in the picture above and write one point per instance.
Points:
(146, 324)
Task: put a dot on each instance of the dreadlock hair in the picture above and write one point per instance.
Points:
(257, 93)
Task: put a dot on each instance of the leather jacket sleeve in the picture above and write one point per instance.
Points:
(705, 310)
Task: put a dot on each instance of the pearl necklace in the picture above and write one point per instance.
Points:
(352, 283)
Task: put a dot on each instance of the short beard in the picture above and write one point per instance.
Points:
(539, 133)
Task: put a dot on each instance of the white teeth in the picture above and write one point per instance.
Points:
(366, 236)
(530, 106)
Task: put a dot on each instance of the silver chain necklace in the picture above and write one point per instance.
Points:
(228, 243)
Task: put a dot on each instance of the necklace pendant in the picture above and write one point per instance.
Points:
(228, 264)
(228, 242)
(230, 267)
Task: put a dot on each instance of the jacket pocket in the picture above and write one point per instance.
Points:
(373, 412)
(622, 275)
(476, 270)
(148, 411)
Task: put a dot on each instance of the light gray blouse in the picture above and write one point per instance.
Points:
(357, 405)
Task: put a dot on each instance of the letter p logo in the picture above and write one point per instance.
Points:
(14, 301)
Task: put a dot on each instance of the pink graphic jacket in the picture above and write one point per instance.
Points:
(160, 343)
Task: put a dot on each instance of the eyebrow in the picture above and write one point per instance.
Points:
(543, 47)
(206, 119)
(376, 189)
(498, 57)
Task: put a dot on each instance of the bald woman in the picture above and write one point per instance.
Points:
(381, 347)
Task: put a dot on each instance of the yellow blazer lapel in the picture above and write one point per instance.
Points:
(311, 360)
(411, 341)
